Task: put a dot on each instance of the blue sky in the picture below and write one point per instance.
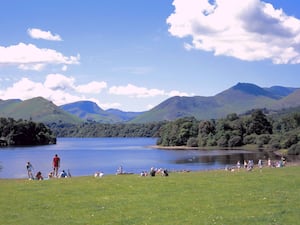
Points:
(134, 54)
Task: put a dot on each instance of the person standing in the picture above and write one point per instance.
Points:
(56, 165)
(29, 168)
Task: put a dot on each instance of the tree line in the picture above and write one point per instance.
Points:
(235, 131)
(95, 129)
(24, 132)
(253, 128)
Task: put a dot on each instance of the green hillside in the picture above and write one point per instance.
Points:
(237, 99)
(90, 111)
(36, 109)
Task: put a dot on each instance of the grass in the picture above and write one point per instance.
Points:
(268, 197)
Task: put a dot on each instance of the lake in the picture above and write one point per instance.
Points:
(85, 156)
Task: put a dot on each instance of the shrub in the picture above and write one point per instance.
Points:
(192, 142)
(235, 141)
(294, 149)
(250, 139)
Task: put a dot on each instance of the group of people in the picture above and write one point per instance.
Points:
(52, 174)
(153, 172)
(249, 165)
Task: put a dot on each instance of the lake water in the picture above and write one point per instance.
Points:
(85, 156)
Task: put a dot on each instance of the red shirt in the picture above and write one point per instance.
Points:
(56, 161)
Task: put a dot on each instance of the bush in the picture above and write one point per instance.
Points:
(250, 139)
(235, 141)
(291, 140)
(192, 142)
(274, 143)
(223, 142)
(294, 149)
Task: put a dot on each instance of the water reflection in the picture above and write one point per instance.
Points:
(224, 158)
(84, 156)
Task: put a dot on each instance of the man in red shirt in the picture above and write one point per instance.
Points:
(56, 165)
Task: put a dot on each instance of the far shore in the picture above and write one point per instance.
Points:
(245, 147)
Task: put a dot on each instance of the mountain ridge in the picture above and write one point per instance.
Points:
(237, 99)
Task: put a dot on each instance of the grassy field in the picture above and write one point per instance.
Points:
(267, 197)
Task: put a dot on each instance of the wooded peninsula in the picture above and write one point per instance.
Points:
(258, 128)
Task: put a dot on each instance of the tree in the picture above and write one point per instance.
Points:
(258, 124)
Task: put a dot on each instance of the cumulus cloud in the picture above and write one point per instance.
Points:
(57, 88)
(40, 34)
(177, 93)
(30, 57)
(59, 82)
(93, 87)
(142, 92)
(248, 30)
(134, 91)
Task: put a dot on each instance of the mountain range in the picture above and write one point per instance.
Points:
(237, 99)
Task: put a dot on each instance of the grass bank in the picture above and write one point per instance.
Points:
(270, 196)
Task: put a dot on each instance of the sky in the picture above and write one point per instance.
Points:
(134, 54)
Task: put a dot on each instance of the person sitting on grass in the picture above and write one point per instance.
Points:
(63, 174)
(152, 172)
(39, 176)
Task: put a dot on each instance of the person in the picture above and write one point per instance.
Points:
(260, 164)
(245, 164)
(283, 159)
(269, 162)
(238, 165)
(29, 168)
(99, 174)
(120, 170)
(50, 175)
(152, 172)
(56, 165)
(165, 172)
(39, 176)
(63, 174)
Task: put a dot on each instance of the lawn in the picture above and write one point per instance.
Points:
(267, 197)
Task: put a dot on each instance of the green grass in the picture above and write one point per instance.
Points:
(270, 197)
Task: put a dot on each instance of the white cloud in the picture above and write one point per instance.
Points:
(40, 34)
(28, 56)
(142, 92)
(92, 87)
(57, 88)
(134, 91)
(61, 89)
(36, 67)
(113, 105)
(245, 29)
(59, 82)
(177, 93)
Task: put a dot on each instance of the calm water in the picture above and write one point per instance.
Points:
(85, 156)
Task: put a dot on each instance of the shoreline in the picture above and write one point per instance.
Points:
(245, 147)
(230, 169)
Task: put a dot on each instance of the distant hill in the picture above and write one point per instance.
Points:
(37, 109)
(237, 99)
(90, 111)
(280, 92)
(123, 116)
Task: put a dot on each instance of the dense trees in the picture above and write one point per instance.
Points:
(234, 131)
(94, 129)
(23, 132)
(276, 131)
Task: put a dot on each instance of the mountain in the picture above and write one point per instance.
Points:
(281, 92)
(291, 100)
(37, 109)
(123, 116)
(90, 111)
(237, 99)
